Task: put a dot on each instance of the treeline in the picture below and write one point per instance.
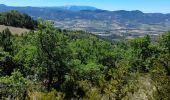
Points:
(54, 64)
(16, 19)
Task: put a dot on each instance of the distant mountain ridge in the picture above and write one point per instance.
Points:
(2, 5)
(67, 7)
(99, 21)
(76, 8)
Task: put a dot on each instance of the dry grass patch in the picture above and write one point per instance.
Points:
(14, 30)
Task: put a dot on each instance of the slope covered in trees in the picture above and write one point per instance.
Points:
(77, 65)
(54, 64)
(16, 19)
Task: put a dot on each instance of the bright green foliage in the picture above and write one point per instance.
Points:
(166, 40)
(90, 72)
(27, 55)
(141, 47)
(14, 86)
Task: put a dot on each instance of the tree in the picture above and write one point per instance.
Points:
(141, 51)
(51, 46)
(166, 40)
(14, 86)
(141, 46)
(6, 40)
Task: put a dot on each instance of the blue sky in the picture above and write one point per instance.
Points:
(143, 5)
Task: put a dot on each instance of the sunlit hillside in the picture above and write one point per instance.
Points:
(14, 30)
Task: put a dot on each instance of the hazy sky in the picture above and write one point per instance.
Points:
(143, 5)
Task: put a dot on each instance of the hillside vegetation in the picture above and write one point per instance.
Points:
(55, 64)
(16, 19)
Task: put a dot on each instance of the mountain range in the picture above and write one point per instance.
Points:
(100, 22)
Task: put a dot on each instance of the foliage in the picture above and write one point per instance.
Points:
(53, 95)
(14, 18)
(54, 64)
(14, 86)
(166, 40)
(5, 40)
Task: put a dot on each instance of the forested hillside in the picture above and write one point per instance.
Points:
(54, 64)
(16, 19)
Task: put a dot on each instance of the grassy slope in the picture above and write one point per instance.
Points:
(14, 30)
